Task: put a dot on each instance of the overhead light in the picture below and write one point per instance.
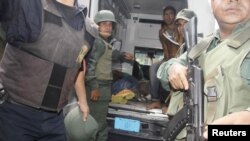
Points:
(137, 6)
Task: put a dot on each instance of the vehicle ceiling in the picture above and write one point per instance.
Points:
(154, 7)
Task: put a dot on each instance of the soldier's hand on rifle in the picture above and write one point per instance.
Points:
(178, 76)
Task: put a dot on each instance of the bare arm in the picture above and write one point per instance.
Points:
(81, 92)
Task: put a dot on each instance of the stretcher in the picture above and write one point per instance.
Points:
(132, 122)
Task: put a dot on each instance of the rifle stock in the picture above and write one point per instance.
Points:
(194, 98)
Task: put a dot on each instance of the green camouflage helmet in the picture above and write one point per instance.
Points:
(185, 14)
(104, 15)
(77, 129)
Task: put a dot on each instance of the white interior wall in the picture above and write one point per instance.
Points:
(93, 8)
(140, 34)
(206, 21)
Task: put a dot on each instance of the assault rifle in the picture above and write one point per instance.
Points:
(191, 115)
(194, 98)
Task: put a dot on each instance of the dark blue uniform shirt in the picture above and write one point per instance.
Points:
(22, 19)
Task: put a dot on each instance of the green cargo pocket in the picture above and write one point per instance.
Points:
(213, 89)
(245, 73)
(176, 102)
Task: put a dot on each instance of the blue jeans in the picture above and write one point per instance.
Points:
(23, 123)
(156, 90)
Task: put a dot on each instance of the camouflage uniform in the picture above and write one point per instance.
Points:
(99, 75)
(227, 75)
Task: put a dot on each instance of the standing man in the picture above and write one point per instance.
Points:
(226, 76)
(42, 62)
(99, 71)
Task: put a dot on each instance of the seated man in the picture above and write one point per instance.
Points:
(157, 92)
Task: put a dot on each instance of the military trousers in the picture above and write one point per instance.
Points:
(99, 109)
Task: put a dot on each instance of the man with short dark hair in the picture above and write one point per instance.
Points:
(168, 28)
(176, 49)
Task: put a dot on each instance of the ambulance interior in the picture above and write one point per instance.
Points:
(139, 21)
(138, 24)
